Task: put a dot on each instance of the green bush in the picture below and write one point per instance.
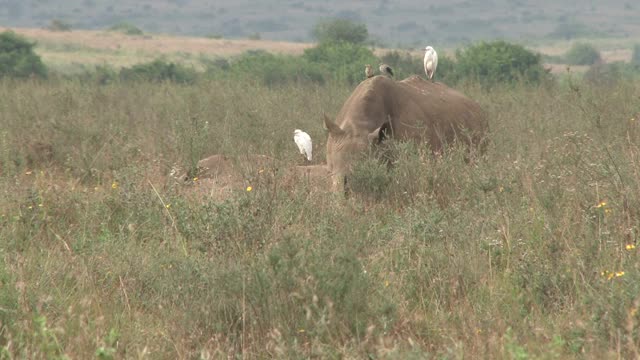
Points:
(272, 70)
(612, 73)
(370, 178)
(345, 61)
(496, 62)
(17, 58)
(572, 30)
(582, 54)
(405, 65)
(101, 74)
(126, 28)
(340, 30)
(159, 70)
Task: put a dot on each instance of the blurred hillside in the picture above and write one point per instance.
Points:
(402, 22)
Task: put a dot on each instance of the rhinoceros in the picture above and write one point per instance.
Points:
(411, 109)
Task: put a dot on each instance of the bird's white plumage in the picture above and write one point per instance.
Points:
(303, 140)
(430, 61)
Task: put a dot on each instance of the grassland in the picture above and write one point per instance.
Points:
(529, 253)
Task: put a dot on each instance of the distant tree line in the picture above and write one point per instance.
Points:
(342, 50)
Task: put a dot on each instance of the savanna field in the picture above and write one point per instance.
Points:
(529, 252)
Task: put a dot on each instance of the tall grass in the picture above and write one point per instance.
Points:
(529, 252)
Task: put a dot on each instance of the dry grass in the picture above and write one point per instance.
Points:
(103, 255)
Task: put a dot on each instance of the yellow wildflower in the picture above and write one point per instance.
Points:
(167, 206)
(195, 179)
(40, 205)
(249, 188)
(301, 330)
(114, 185)
(630, 246)
(601, 204)
(619, 273)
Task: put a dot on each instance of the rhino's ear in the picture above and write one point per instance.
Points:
(378, 135)
(331, 126)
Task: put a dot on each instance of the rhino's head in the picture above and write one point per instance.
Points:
(345, 146)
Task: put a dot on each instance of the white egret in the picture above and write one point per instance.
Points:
(303, 140)
(368, 70)
(386, 70)
(430, 61)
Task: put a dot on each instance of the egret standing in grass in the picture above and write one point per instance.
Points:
(430, 62)
(368, 70)
(303, 140)
(386, 70)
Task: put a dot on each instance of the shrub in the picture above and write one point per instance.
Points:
(340, 30)
(101, 74)
(126, 28)
(612, 73)
(342, 59)
(273, 69)
(403, 64)
(370, 178)
(17, 58)
(406, 65)
(582, 54)
(499, 62)
(158, 70)
(572, 30)
(59, 25)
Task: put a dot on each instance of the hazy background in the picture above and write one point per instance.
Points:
(391, 23)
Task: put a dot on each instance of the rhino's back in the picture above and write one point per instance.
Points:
(439, 101)
(419, 109)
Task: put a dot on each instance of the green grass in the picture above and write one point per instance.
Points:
(435, 259)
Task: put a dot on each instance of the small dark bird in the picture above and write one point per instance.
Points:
(368, 70)
(386, 70)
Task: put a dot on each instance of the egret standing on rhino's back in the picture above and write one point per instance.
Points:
(430, 61)
(303, 140)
